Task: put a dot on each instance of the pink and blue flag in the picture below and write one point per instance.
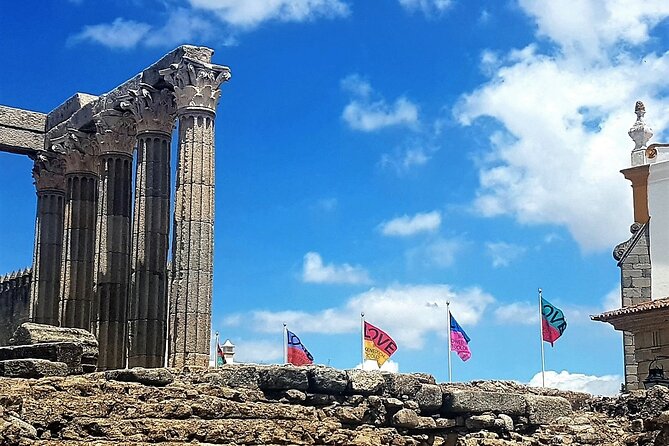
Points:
(553, 323)
(459, 340)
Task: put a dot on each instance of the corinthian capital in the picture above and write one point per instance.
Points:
(196, 84)
(115, 132)
(154, 110)
(49, 171)
(79, 150)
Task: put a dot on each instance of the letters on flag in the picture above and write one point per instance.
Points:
(297, 352)
(459, 340)
(553, 323)
(378, 345)
(220, 359)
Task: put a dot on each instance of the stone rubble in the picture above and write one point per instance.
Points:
(315, 405)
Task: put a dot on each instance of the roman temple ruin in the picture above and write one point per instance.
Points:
(101, 249)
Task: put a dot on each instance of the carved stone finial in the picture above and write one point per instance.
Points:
(115, 132)
(196, 84)
(48, 172)
(154, 110)
(640, 132)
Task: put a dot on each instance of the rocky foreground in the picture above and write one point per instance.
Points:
(286, 405)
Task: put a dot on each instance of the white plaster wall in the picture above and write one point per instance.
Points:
(658, 208)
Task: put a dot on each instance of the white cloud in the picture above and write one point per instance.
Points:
(612, 300)
(327, 204)
(405, 160)
(439, 252)
(251, 13)
(259, 351)
(388, 366)
(410, 225)
(518, 313)
(315, 271)
(216, 21)
(608, 385)
(428, 7)
(368, 111)
(400, 310)
(563, 118)
(594, 28)
(119, 34)
(503, 254)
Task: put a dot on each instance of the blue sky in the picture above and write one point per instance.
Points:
(378, 156)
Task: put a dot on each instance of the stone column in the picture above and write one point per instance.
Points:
(109, 318)
(48, 173)
(196, 88)
(81, 198)
(154, 112)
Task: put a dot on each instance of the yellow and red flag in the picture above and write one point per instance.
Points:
(378, 345)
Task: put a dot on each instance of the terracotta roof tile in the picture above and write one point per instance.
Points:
(638, 308)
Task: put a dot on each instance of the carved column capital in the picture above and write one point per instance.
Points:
(196, 84)
(154, 110)
(49, 172)
(79, 149)
(115, 132)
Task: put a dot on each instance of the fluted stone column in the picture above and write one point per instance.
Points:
(116, 141)
(154, 112)
(196, 88)
(48, 173)
(81, 197)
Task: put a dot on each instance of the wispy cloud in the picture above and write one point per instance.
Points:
(503, 254)
(608, 385)
(439, 252)
(258, 351)
(517, 313)
(427, 7)
(119, 34)
(402, 161)
(315, 271)
(406, 225)
(252, 13)
(401, 310)
(215, 21)
(367, 111)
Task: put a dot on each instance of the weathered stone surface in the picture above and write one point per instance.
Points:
(365, 383)
(409, 419)
(545, 409)
(400, 385)
(429, 398)
(69, 353)
(476, 422)
(282, 378)
(235, 376)
(464, 401)
(21, 131)
(32, 368)
(150, 377)
(327, 380)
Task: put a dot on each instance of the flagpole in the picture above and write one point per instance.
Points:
(362, 337)
(448, 330)
(541, 339)
(285, 344)
(216, 352)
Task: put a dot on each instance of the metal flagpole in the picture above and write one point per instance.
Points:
(541, 339)
(448, 328)
(285, 344)
(362, 337)
(216, 352)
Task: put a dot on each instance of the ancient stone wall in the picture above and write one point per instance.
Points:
(286, 405)
(14, 302)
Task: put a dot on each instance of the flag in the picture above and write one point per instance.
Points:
(378, 345)
(553, 323)
(297, 352)
(459, 340)
(220, 359)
